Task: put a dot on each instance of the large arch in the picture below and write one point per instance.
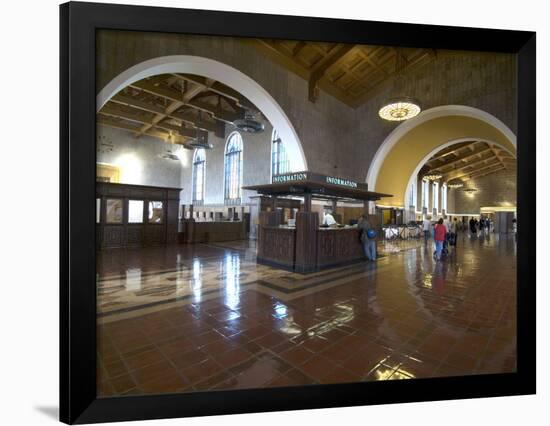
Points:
(224, 74)
(409, 145)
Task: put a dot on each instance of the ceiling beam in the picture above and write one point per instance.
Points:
(115, 111)
(453, 174)
(460, 159)
(145, 106)
(497, 155)
(454, 149)
(219, 88)
(485, 173)
(288, 62)
(147, 123)
(298, 48)
(280, 57)
(189, 94)
(333, 58)
(468, 176)
(411, 66)
(164, 136)
(175, 96)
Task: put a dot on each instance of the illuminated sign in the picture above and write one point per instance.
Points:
(315, 177)
(293, 177)
(342, 182)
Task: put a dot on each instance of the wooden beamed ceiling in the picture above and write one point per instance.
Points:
(351, 73)
(173, 107)
(468, 160)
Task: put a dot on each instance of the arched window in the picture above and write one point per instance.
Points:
(425, 194)
(233, 168)
(199, 163)
(279, 157)
(444, 197)
(412, 196)
(435, 204)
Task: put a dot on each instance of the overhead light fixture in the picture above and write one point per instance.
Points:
(470, 190)
(169, 155)
(457, 183)
(248, 123)
(432, 176)
(399, 107)
(200, 141)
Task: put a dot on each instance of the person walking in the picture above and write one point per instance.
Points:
(368, 237)
(440, 233)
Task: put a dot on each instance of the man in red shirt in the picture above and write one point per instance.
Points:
(440, 234)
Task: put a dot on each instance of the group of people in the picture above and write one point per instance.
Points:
(481, 225)
(445, 232)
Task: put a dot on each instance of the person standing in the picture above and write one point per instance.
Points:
(440, 233)
(426, 228)
(368, 237)
(453, 233)
(328, 219)
(473, 229)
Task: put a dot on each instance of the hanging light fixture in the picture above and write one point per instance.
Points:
(399, 107)
(455, 183)
(470, 190)
(432, 176)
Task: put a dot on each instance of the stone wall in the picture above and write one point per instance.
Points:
(480, 80)
(497, 189)
(335, 138)
(324, 128)
(256, 166)
(139, 160)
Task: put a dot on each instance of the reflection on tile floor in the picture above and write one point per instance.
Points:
(198, 317)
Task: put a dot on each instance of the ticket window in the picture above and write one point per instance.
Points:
(155, 212)
(135, 211)
(114, 211)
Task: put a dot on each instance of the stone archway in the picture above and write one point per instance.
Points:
(224, 74)
(407, 148)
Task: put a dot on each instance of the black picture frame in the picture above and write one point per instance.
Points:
(78, 25)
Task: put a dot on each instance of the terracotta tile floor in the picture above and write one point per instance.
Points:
(403, 317)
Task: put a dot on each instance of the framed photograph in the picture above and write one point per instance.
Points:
(264, 212)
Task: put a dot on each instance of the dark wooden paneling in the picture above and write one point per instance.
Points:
(113, 236)
(137, 235)
(134, 235)
(278, 246)
(338, 246)
(200, 232)
(155, 234)
(307, 224)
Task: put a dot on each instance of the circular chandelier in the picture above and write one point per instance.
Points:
(455, 184)
(470, 190)
(432, 176)
(399, 109)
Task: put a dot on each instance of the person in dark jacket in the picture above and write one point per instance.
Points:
(368, 237)
(473, 229)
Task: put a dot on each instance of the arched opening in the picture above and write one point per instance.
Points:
(403, 153)
(233, 160)
(225, 74)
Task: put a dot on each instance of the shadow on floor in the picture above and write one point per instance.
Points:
(51, 411)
